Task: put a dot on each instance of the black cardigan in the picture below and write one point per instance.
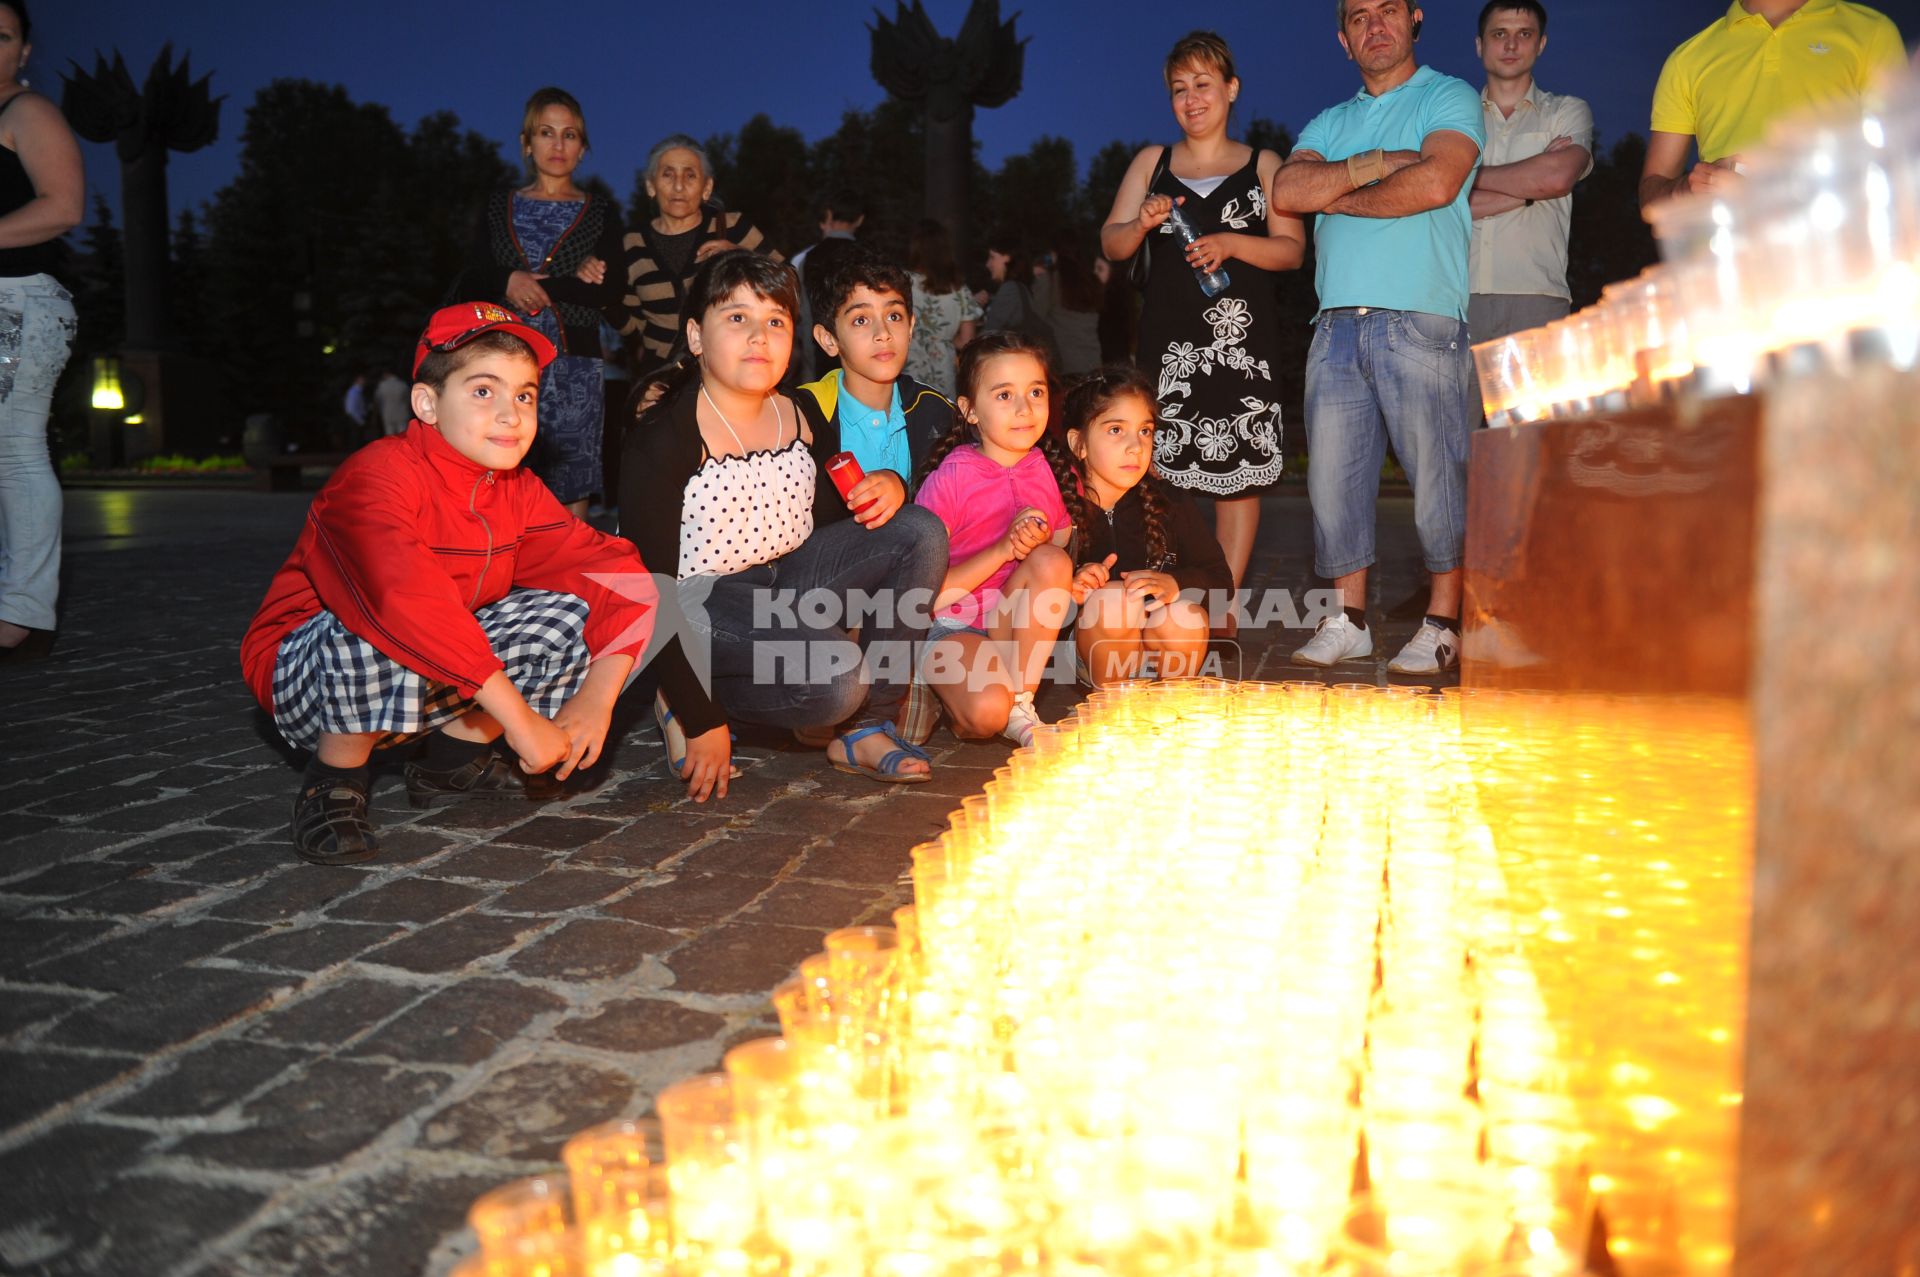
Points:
(662, 452)
(493, 254)
(1194, 558)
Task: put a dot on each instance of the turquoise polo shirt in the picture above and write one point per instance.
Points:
(877, 440)
(1396, 263)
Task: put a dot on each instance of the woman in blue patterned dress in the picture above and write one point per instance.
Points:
(1212, 357)
(545, 250)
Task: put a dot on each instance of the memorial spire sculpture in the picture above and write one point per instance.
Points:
(948, 76)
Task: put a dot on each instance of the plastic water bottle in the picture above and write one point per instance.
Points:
(1213, 282)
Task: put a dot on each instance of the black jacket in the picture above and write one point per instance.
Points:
(1194, 558)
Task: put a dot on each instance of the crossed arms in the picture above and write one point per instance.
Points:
(1416, 181)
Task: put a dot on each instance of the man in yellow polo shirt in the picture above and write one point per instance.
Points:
(1763, 60)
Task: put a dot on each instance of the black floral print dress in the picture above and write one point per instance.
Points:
(1214, 357)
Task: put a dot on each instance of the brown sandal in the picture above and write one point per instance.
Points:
(330, 824)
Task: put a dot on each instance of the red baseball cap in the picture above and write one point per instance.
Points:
(454, 326)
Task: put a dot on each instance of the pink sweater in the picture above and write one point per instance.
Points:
(977, 497)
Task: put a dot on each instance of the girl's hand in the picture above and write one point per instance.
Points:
(1091, 577)
(709, 763)
(1027, 532)
(1154, 210)
(1210, 251)
(885, 489)
(539, 743)
(525, 294)
(592, 271)
(1155, 589)
(707, 249)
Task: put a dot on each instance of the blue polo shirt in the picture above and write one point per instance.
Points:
(1396, 263)
(877, 440)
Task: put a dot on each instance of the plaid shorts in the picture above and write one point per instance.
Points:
(328, 679)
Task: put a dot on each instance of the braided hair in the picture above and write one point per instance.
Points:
(713, 282)
(1087, 398)
(973, 360)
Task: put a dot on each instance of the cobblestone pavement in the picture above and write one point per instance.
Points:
(217, 1060)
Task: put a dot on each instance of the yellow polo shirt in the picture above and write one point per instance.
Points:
(1727, 85)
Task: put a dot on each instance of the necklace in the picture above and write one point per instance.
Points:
(778, 426)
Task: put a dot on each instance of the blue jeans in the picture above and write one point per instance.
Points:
(1375, 376)
(36, 335)
(782, 654)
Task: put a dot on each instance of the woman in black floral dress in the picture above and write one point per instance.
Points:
(1212, 357)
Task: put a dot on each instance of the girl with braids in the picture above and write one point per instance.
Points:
(1005, 491)
(1141, 531)
(723, 490)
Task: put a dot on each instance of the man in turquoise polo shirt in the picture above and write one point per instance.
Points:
(1390, 173)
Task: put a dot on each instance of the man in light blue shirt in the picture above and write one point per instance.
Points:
(1389, 172)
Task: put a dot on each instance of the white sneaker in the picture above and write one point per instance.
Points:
(1337, 639)
(1021, 720)
(1431, 649)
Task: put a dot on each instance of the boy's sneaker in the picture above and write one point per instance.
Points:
(1337, 639)
(1432, 648)
(330, 825)
(488, 776)
(1021, 720)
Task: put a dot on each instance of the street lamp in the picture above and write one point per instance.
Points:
(107, 394)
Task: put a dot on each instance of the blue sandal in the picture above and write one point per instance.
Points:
(676, 740)
(889, 768)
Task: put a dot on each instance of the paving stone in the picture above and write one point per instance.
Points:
(405, 845)
(491, 863)
(314, 946)
(82, 799)
(527, 1113)
(206, 1080)
(453, 944)
(856, 858)
(175, 850)
(378, 1225)
(461, 1025)
(813, 904)
(741, 957)
(23, 1008)
(640, 1024)
(591, 949)
(333, 1015)
(127, 960)
(558, 890)
(468, 817)
(557, 833)
(156, 815)
(59, 846)
(318, 1116)
(748, 852)
(129, 899)
(37, 1081)
(75, 878)
(300, 889)
(24, 941)
(65, 1164)
(408, 900)
(233, 865)
(144, 1224)
(687, 899)
(175, 1007)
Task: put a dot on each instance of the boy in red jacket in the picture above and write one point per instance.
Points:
(439, 586)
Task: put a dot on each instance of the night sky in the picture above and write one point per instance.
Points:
(642, 70)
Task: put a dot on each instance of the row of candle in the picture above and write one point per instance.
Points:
(1238, 979)
(1811, 258)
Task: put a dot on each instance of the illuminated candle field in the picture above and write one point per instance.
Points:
(1248, 979)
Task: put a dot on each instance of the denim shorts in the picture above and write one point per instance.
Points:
(1380, 376)
(948, 626)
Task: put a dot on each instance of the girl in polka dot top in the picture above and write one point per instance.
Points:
(723, 492)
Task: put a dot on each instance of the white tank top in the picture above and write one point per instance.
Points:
(741, 511)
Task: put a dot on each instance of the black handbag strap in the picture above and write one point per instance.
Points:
(1142, 263)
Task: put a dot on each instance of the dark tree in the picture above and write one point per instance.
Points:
(762, 171)
(948, 78)
(1609, 241)
(172, 112)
